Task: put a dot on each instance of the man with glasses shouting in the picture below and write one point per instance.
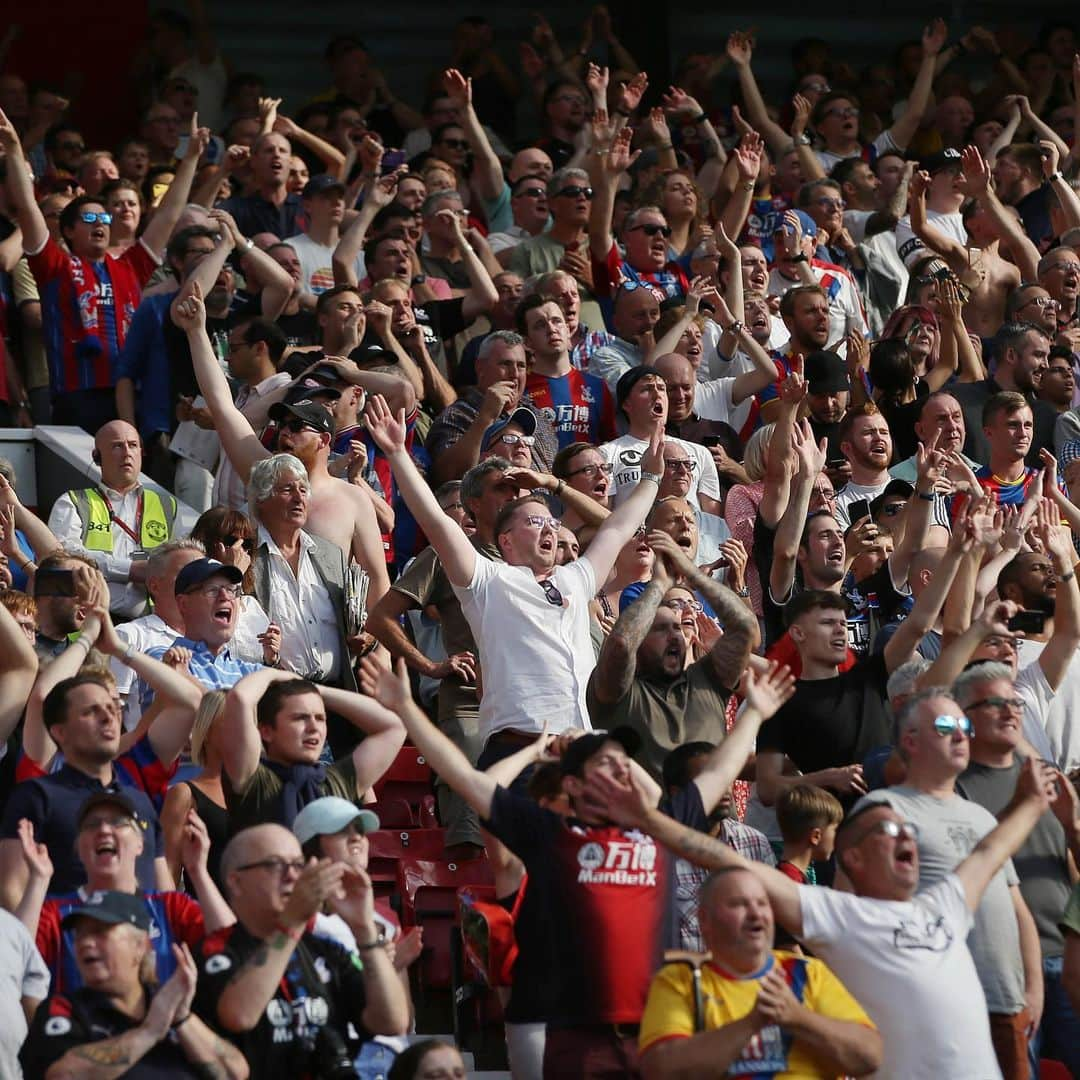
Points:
(285, 997)
(529, 617)
(898, 945)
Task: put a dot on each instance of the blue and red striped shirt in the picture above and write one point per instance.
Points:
(579, 406)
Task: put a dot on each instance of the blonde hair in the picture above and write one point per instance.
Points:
(804, 807)
(757, 450)
(210, 708)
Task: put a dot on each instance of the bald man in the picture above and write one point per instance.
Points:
(118, 522)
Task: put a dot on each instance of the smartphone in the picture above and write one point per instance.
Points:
(858, 510)
(392, 160)
(1028, 622)
(54, 583)
(836, 463)
(710, 440)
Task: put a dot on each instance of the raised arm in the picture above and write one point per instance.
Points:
(612, 536)
(331, 157)
(811, 458)
(391, 689)
(378, 194)
(929, 461)
(953, 252)
(747, 159)
(383, 734)
(482, 295)
(20, 189)
(456, 553)
(486, 178)
(740, 50)
(605, 168)
(157, 232)
(258, 267)
(1036, 787)
(780, 456)
(933, 39)
(241, 444)
(18, 668)
(241, 745)
(1057, 656)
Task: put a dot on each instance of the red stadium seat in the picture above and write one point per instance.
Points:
(429, 899)
(408, 778)
(393, 813)
(428, 816)
(1053, 1070)
(389, 846)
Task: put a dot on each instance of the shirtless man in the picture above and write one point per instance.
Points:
(980, 265)
(338, 511)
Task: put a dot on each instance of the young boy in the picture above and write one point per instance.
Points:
(808, 817)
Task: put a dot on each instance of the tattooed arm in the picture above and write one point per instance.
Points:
(108, 1058)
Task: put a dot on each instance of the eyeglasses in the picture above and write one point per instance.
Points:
(653, 230)
(1041, 302)
(90, 217)
(893, 509)
(537, 521)
(831, 204)
(685, 605)
(276, 865)
(686, 465)
(641, 531)
(455, 144)
(572, 191)
(815, 88)
(845, 113)
(1012, 704)
(592, 471)
(530, 192)
(211, 592)
(512, 440)
(231, 541)
(295, 426)
(452, 506)
(90, 824)
(947, 725)
(893, 829)
(995, 641)
(551, 593)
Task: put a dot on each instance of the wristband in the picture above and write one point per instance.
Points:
(655, 477)
(559, 486)
(1067, 577)
(700, 118)
(744, 592)
(378, 943)
(1055, 176)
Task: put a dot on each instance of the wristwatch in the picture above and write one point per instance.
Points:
(802, 140)
(735, 328)
(418, 279)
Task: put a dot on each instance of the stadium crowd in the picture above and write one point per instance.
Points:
(683, 478)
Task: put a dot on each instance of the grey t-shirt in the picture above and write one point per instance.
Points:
(22, 974)
(949, 830)
(1042, 861)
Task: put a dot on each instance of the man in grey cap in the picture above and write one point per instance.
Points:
(116, 1017)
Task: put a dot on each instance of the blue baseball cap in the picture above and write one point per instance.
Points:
(524, 419)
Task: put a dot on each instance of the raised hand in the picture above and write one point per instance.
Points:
(678, 102)
(748, 156)
(194, 842)
(801, 118)
(655, 126)
(236, 157)
(458, 88)
(198, 139)
(35, 855)
(596, 79)
(652, 460)
(187, 310)
(386, 429)
(735, 554)
(929, 462)
(631, 93)
(391, 688)
(976, 173)
(766, 693)
(317, 882)
(619, 158)
(933, 37)
(370, 152)
(1050, 156)
(811, 455)
(9, 137)
(268, 108)
(740, 48)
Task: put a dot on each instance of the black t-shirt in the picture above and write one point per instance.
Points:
(597, 914)
(181, 371)
(299, 329)
(322, 987)
(64, 1022)
(832, 722)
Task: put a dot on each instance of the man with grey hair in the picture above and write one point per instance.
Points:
(453, 252)
(485, 489)
(933, 740)
(300, 580)
(455, 438)
(987, 693)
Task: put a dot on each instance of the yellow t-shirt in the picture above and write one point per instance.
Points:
(772, 1052)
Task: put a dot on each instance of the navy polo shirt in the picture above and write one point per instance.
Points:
(51, 803)
(254, 214)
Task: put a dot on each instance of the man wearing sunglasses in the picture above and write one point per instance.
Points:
(988, 696)
(528, 203)
(933, 740)
(88, 296)
(900, 949)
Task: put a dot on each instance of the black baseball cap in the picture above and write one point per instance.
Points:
(111, 907)
(106, 798)
(310, 389)
(195, 573)
(324, 182)
(943, 159)
(895, 488)
(825, 371)
(310, 412)
(629, 379)
(585, 746)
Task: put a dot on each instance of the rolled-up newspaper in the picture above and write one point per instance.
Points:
(356, 590)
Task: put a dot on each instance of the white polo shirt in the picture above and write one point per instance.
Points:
(536, 657)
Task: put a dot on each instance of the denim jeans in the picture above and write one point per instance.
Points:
(374, 1061)
(1058, 1036)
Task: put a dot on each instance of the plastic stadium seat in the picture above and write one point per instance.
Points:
(389, 846)
(1053, 1070)
(429, 899)
(393, 813)
(409, 778)
(428, 816)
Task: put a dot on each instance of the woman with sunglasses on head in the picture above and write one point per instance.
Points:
(124, 201)
(229, 537)
(678, 197)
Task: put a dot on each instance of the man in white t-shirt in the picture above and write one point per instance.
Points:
(641, 395)
(902, 953)
(530, 618)
(943, 201)
(866, 443)
(324, 207)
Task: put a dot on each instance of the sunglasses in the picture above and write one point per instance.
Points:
(1012, 704)
(455, 144)
(90, 217)
(530, 193)
(893, 829)
(551, 593)
(231, 541)
(686, 605)
(893, 509)
(845, 113)
(512, 440)
(574, 192)
(653, 230)
(831, 204)
(295, 426)
(539, 522)
(80, 147)
(947, 725)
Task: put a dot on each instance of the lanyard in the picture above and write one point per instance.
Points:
(133, 533)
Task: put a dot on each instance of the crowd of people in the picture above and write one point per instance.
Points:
(686, 475)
